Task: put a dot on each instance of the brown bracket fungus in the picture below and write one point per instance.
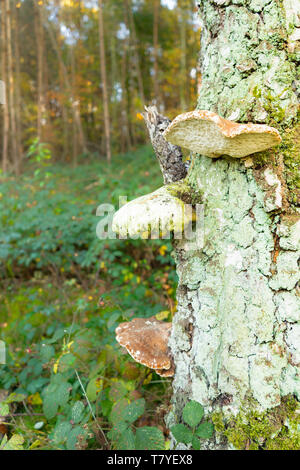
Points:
(146, 340)
(207, 133)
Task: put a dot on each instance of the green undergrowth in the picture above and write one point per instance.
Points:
(66, 383)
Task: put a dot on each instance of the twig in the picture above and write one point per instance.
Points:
(91, 409)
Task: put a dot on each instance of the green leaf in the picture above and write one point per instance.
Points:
(15, 398)
(182, 434)
(192, 413)
(117, 391)
(149, 438)
(117, 411)
(117, 430)
(14, 443)
(134, 410)
(126, 441)
(205, 430)
(62, 394)
(196, 443)
(61, 432)
(50, 406)
(4, 409)
(94, 388)
(73, 437)
(77, 411)
(47, 352)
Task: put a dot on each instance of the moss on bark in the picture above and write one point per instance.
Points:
(275, 429)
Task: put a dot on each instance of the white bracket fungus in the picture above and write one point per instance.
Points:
(155, 215)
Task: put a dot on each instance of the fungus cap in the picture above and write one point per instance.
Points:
(154, 214)
(146, 340)
(207, 133)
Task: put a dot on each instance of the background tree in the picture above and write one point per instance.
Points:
(5, 129)
(104, 83)
(57, 87)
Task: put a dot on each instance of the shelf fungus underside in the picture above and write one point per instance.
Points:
(146, 340)
(155, 215)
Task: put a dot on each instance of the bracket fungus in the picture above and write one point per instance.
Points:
(207, 133)
(155, 214)
(146, 340)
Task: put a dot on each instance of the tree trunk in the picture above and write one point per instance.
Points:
(4, 79)
(70, 92)
(137, 65)
(155, 53)
(104, 83)
(64, 110)
(236, 335)
(183, 51)
(40, 61)
(11, 93)
(18, 87)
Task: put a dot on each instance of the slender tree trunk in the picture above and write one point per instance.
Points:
(18, 87)
(183, 54)
(156, 7)
(137, 65)
(40, 60)
(11, 93)
(68, 87)
(126, 98)
(104, 83)
(64, 110)
(73, 84)
(4, 79)
(236, 334)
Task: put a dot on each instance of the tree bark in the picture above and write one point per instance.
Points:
(4, 79)
(40, 57)
(183, 47)
(18, 87)
(11, 93)
(64, 110)
(70, 92)
(137, 65)
(155, 53)
(104, 83)
(236, 334)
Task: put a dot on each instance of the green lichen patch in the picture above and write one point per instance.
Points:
(274, 429)
(182, 190)
(291, 153)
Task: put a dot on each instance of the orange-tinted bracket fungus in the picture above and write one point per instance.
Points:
(207, 133)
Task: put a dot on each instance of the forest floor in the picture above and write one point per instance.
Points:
(66, 383)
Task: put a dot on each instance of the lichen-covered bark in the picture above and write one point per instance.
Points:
(236, 333)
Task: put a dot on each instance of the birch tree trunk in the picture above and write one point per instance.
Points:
(104, 83)
(236, 335)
